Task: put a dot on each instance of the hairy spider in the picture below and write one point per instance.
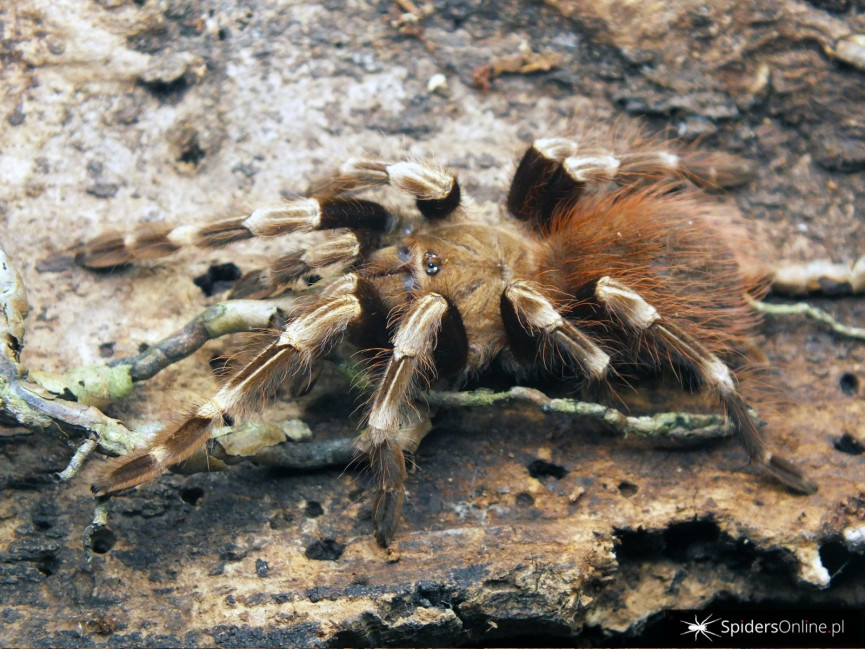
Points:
(609, 258)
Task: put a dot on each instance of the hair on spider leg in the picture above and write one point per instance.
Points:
(364, 471)
(610, 263)
(279, 383)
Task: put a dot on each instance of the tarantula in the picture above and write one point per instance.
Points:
(607, 259)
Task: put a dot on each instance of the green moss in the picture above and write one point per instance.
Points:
(92, 385)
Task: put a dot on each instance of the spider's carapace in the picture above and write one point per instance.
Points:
(606, 258)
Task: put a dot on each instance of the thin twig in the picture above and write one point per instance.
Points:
(97, 536)
(45, 404)
(269, 444)
(309, 456)
(101, 511)
(25, 403)
(77, 461)
(231, 316)
(677, 426)
(809, 311)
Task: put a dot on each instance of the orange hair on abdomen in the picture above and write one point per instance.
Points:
(681, 252)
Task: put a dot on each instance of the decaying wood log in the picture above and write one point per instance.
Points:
(519, 522)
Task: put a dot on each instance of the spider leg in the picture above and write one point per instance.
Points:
(300, 215)
(436, 190)
(414, 345)
(712, 170)
(337, 253)
(306, 337)
(534, 324)
(557, 172)
(540, 183)
(641, 318)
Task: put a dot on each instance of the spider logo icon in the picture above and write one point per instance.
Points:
(696, 627)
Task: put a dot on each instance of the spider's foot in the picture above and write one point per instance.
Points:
(388, 464)
(388, 505)
(790, 475)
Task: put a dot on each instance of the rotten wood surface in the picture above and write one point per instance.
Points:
(118, 113)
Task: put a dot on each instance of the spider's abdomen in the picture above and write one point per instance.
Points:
(676, 249)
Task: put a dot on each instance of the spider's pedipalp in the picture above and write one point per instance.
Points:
(541, 320)
(338, 253)
(414, 346)
(304, 338)
(300, 215)
(632, 311)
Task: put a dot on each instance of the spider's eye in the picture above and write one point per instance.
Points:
(433, 263)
